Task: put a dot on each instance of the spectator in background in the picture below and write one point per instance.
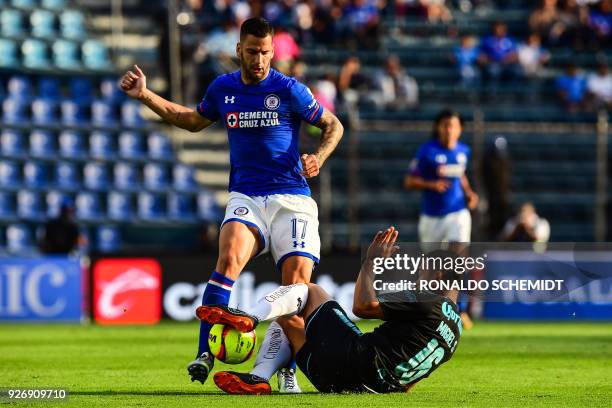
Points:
(325, 92)
(298, 70)
(526, 226)
(572, 28)
(352, 84)
(496, 173)
(599, 86)
(600, 20)
(571, 88)
(465, 56)
(543, 19)
(363, 22)
(498, 54)
(436, 11)
(324, 22)
(286, 50)
(532, 57)
(61, 235)
(396, 89)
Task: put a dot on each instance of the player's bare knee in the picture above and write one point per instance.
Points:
(230, 264)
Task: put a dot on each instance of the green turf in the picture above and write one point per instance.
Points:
(496, 365)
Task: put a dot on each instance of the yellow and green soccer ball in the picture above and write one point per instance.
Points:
(229, 345)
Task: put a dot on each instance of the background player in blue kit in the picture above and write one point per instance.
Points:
(269, 208)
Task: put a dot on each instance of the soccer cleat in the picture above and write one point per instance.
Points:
(241, 383)
(200, 367)
(221, 314)
(287, 381)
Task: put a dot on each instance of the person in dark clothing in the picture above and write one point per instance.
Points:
(61, 235)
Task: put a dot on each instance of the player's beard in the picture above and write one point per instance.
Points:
(249, 75)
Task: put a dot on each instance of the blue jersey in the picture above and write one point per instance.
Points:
(434, 162)
(263, 122)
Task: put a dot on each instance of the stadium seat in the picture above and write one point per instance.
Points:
(35, 174)
(23, 4)
(35, 54)
(131, 145)
(110, 92)
(101, 145)
(74, 113)
(159, 146)
(7, 205)
(18, 238)
(72, 144)
(9, 52)
(119, 206)
(207, 206)
(181, 207)
(81, 90)
(49, 88)
(30, 206)
(96, 176)
(155, 176)
(67, 176)
(12, 143)
(44, 112)
(43, 23)
(103, 114)
(42, 144)
(95, 55)
(126, 176)
(130, 114)
(72, 24)
(11, 23)
(151, 207)
(55, 5)
(88, 207)
(14, 111)
(19, 87)
(66, 55)
(10, 175)
(184, 178)
(108, 238)
(55, 200)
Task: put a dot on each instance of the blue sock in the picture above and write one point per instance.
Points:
(217, 292)
(292, 364)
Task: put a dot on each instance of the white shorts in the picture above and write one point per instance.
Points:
(287, 223)
(453, 227)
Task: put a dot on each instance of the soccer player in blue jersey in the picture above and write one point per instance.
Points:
(269, 208)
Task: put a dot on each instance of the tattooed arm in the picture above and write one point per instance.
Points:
(330, 137)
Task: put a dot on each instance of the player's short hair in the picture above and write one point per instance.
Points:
(256, 26)
(443, 115)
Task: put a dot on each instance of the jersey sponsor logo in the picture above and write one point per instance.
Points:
(256, 119)
(272, 102)
(232, 120)
(451, 170)
(229, 99)
(241, 211)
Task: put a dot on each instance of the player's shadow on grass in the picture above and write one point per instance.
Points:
(173, 393)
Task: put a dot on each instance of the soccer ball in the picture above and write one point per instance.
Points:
(229, 345)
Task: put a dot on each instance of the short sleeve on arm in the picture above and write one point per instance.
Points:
(207, 106)
(417, 165)
(304, 104)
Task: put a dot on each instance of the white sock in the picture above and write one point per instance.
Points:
(284, 301)
(275, 352)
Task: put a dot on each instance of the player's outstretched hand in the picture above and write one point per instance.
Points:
(383, 245)
(133, 83)
(310, 165)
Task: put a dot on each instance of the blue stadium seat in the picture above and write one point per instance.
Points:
(10, 174)
(207, 206)
(49, 88)
(126, 176)
(88, 207)
(67, 176)
(19, 87)
(55, 200)
(155, 176)
(35, 54)
(23, 4)
(159, 146)
(7, 205)
(18, 238)
(11, 23)
(35, 174)
(131, 145)
(42, 144)
(95, 176)
(30, 206)
(72, 24)
(119, 206)
(74, 113)
(130, 114)
(66, 55)
(108, 238)
(81, 90)
(44, 111)
(184, 178)
(10, 53)
(14, 111)
(95, 55)
(109, 90)
(53, 4)
(151, 207)
(43, 23)
(101, 145)
(12, 143)
(72, 144)
(181, 207)
(103, 113)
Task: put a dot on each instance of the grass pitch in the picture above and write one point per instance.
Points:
(497, 364)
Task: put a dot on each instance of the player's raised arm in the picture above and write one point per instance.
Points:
(134, 84)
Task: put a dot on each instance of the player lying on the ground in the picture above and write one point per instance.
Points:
(420, 332)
